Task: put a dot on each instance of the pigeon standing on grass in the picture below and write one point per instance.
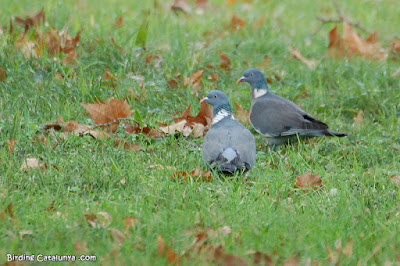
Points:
(279, 120)
(229, 146)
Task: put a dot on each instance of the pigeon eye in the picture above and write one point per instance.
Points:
(215, 96)
(252, 74)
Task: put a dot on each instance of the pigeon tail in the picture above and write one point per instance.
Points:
(229, 162)
(335, 134)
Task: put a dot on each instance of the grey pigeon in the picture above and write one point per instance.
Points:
(279, 120)
(228, 146)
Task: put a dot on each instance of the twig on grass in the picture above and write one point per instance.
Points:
(116, 120)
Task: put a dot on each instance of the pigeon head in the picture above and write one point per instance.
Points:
(255, 78)
(219, 102)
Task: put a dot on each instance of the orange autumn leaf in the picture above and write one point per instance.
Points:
(11, 146)
(175, 81)
(308, 180)
(195, 81)
(196, 174)
(201, 6)
(118, 22)
(182, 6)
(225, 63)
(237, 23)
(2, 75)
(165, 251)
(242, 115)
(311, 64)
(151, 132)
(33, 21)
(8, 212)
(105, 113)
(395, 48)
(351, 44)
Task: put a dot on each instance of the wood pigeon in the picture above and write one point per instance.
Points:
(279, 120)
(228, 146)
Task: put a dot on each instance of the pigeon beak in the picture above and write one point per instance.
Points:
(240, 80)
(204, 100)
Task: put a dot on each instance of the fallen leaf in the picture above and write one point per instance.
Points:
(395, 48)
(11, 146)
(117, 46)
(129, 222)
(154, 60)
(175, 81)
(32, 163)
(195, 81)
(117, 236)
(164, 250)
(213, 77)
(352, 44)
(242, 115)
(259, 22)
(24, 233)
(8, 212)
(182, 6)
(2, 75)
(265, 63)
(237, 23)
(105, 113)
(196, 174)
(33, 21)
(201, 6)
(348, 249)
(260, 258)
(225, 63)
(308, 180)
(395, 179)
(51, 207)
(101, 220)
(187, 125)
(118, 22)
(358, 119)
(311, 64)
(151, 132)
(291, 261)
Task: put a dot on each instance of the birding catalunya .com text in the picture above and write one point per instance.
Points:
(55, 258)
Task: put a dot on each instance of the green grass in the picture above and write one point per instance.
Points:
(266, 213)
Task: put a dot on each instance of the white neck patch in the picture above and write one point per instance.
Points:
(258, 93)
(220, 115)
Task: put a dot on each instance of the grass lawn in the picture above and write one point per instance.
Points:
(357, 205)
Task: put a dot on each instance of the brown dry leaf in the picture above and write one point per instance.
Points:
(129, 222)
(242, 115)
(227, 259)
(395, 179)
(352, 44)
(181, 5)
(32, 163)
(230, 2)
(117, 236)
(175, 81)
(195, 81)
(2, 75)
(24, 233)
(151, 132)
(118, 22)
(28, 48)
(127, 146)
(154, 60)
(308, 180)
(358, 119)
(201, 6)
(259, 22)
(396, 73)
(311, 64)
(101, 220)
(33, 21)
(164, 250)
(224, 62)
(51, 207)
(196, 174)
(11, 146)
(237, 23)
(260, 258)
(213, 77)
(336, 46)
(395, 48)
(186, 124)
(8, 212)
(104, 113)
(348, 249)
